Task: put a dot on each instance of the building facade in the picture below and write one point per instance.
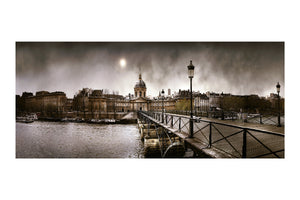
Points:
(98, 104)
(201, 103)
(44, 103)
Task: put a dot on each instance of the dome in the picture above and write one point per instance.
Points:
(140, 83)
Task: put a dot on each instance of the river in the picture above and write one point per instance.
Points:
(77, 140)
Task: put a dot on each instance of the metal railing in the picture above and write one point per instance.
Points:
(236, 141)
(271, 119)
(166, 139)
(210, 114)
(261, 118)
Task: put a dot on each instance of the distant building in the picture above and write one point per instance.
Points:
(214, 100)
(273, 98)
(41, 93)
(168, 104)
(97, 104)
(140, 102)
(201, 103)
(44, 103)
(140, 88)
(183, 94)
(69, 105)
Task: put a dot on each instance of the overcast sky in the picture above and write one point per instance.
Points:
(237, 68)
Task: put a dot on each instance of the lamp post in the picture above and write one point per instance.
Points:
(278, 91)
(162, 105)
(191, 75)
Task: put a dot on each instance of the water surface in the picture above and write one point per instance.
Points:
(77, 140)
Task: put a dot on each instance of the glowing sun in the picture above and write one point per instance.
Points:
(123, 63)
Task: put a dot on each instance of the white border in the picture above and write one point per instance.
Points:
(156, 21)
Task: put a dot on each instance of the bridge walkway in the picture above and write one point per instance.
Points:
(263, 127)
(224, 139)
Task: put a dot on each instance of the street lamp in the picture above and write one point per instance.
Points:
(191, 75)
(162, 105)
(278, 91)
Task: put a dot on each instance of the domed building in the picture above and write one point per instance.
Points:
(140, 88)
(140, 101)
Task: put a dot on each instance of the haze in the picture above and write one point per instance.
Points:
(229, 67)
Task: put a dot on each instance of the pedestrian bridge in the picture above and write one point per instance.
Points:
(210, 138)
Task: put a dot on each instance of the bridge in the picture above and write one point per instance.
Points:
(168, 135)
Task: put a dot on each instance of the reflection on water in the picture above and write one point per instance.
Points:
(77, 140)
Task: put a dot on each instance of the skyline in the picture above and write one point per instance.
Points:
(239, 68)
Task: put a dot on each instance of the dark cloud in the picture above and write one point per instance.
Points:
(235, 67)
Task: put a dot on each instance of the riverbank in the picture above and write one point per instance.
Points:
(120, 121)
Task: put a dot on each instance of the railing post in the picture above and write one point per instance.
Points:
(179, 124)
(260, 118)
(166, 118)
(210, 134)
(148, 123)
(244, 153)
(191, 128)
(172, 121)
